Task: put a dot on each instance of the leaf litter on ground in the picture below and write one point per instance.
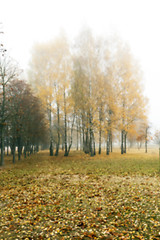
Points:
(79, 197)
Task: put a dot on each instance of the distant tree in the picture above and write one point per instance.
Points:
(157, 141)
(147, 137)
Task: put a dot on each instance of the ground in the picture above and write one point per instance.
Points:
(81, 197)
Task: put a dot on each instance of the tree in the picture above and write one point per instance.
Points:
(50, 78)
(8, 71)
(96, 83)
(157, 141)
(131, 100)
(41, 76)
(85, 68)
(27, 127)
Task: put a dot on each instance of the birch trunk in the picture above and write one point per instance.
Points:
(58, 131)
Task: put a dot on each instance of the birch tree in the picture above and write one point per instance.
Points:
(87, 65)
(41, 78)
(97, 82)
(132, 103)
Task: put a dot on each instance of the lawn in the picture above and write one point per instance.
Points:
(81, 197)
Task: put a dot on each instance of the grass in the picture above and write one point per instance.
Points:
(81, 197)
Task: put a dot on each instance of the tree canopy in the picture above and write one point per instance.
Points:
(91, 89)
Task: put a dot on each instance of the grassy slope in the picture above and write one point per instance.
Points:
(79, 197)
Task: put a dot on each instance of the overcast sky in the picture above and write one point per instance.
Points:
(26, 22)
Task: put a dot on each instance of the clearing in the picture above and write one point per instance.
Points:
(81, 197)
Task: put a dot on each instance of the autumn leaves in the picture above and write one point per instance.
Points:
(59, 198)
(92, 87)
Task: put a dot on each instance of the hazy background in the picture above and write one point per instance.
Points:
(137, 22)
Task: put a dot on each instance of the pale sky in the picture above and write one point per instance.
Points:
(137, 22)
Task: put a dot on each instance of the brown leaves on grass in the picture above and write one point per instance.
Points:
(38, 203)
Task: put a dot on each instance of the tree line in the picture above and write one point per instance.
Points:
(22, 120)
(92, 92)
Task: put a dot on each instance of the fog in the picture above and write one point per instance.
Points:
(136, 22)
